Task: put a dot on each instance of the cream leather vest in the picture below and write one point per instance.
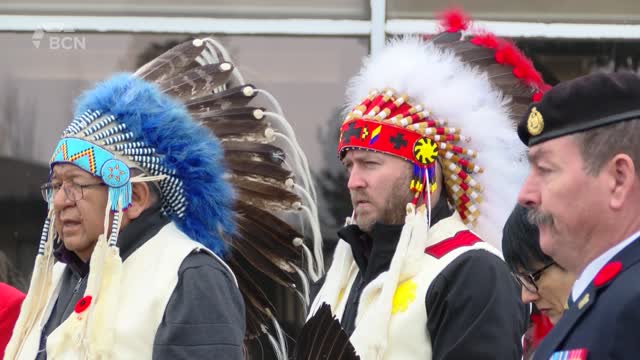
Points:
(407, 336)
(148, 279)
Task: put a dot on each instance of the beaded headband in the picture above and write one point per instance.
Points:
(101, 146)
(389, 124)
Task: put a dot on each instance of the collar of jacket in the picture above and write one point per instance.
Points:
(373, 251)
(131, 237)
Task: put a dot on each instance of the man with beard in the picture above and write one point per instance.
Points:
(583, 192)
(409, 279)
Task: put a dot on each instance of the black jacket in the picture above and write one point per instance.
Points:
(205, 316)
(604, 318)
(473, 305)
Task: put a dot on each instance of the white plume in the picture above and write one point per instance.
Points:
(464, 97)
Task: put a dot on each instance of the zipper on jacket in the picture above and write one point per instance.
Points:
(356, 299)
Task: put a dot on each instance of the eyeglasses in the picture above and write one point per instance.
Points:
(73, 191)
(528, 280)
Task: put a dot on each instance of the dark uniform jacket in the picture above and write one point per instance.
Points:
(604, 318)
(205, 316)
(473, 305)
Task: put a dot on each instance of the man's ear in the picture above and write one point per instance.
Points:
(622, 175)
(141, 199)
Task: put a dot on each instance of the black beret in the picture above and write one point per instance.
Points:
(581, 104)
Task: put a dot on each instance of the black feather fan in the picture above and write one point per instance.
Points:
(322, 338)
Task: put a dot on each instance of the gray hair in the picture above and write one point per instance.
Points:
(597, 146)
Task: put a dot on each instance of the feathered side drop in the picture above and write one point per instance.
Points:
(268, 171)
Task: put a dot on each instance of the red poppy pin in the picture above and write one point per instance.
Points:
(83, 304)
(607, 273)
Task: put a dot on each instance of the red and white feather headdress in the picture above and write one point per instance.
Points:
(452, 99)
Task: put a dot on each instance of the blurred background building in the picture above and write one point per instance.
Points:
(303, 51)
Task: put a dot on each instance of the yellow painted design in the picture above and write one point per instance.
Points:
(425, 151)
(535, 123)
(374, 134)
(376, 131)
(405, 295)
(365, 133)
(583, 301)
(340, 295)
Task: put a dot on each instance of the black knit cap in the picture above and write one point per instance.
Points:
(581, 104)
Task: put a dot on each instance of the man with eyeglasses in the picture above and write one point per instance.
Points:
(583, 193)
(166, 199)
(75, 192)
(130, 262)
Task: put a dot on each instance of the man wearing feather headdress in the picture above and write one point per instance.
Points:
(434, 166)
(144, 217)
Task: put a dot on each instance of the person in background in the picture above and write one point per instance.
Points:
(9, 274)
(545, 284)
(10, 302)
(11, 297)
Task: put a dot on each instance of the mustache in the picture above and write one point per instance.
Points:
(358, 196)
(537, 217)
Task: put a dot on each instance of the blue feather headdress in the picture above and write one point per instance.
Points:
(126, 122)
(176, 121)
